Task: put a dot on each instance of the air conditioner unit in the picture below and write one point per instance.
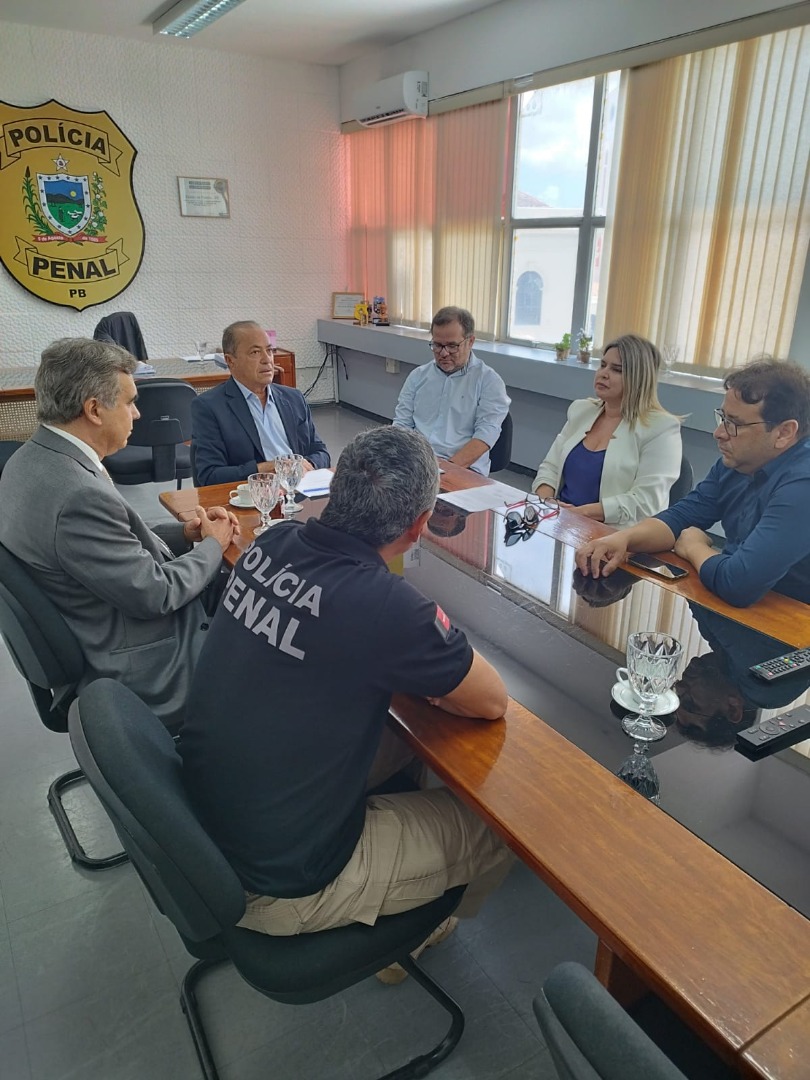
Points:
(398, 98)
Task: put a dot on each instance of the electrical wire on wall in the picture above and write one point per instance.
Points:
(331, 352)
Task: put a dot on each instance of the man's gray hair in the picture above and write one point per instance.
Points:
(73, 370)
(230, 335)
(385, 478)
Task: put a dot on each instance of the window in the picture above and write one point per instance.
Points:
(694, 233)
(529, 299)
(563, 153)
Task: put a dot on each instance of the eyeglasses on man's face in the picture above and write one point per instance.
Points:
(450, 347)
(733, 426)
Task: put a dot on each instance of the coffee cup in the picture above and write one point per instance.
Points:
(241, 495)
(623, 676)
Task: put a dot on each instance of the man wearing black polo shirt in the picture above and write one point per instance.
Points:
(286, 728)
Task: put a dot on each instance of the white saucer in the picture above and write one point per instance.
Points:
(665, 703)
(242, 505)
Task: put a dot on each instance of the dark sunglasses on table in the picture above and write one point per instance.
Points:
(523, 518)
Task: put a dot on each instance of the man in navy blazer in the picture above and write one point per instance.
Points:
(242, 426)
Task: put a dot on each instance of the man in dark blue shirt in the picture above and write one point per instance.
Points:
(759, 491)
(311, 638)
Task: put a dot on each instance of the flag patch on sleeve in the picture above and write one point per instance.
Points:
(442, 623)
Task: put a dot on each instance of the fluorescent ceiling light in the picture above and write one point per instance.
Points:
(190, 16)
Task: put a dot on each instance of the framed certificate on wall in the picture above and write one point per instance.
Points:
(343, 304)
(204, 196)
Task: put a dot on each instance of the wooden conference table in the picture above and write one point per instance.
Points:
(671, 912)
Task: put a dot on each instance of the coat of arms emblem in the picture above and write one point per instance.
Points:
(70, 231)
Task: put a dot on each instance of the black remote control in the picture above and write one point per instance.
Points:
(788, 664)
(768, 736)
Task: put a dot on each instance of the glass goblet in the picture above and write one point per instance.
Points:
(637, 771)
(264, 491)
(669, 354)
(202, 349)
(652, 668)
(289, 470)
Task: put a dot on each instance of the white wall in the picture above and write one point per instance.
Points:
(519, 37)
(271, 128)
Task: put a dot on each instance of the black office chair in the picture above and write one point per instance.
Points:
(156, 452)
(501, 453)
(131, 763)
(683, 485)
(45, 652)
(590, 1036)
(7, 448)
(121, 327)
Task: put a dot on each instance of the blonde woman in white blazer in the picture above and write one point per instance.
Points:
(620, 452)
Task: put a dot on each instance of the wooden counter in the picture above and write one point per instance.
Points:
(18, 418)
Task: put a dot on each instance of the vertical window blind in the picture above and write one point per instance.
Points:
(427, 213)
(709, 233)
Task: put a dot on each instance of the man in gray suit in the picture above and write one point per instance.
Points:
(131, 598)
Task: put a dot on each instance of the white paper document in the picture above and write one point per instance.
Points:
(494, 496)
(315, 483)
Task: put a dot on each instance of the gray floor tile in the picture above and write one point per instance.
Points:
(240, 1021)
(134, 1031)
(14, 1056)
(335, 1050)
(495, 1039)
(523, 932)
(35, 868)
(3, 926)
(10, 1010)
(83, 946)
(539, 1067)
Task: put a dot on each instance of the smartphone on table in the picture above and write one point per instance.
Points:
(656, 566)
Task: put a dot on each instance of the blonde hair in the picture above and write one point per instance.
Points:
(641, 362)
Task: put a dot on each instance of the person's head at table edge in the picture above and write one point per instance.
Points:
(765, 411)
(626, 380)
(384, 489)
(452, 336)
(86, 387)
(249, 355)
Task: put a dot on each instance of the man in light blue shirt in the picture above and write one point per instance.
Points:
(456, 401)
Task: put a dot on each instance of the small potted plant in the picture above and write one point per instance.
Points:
(584, 343)
(563, 347)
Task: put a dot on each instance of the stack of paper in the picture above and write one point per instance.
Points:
(316, 482)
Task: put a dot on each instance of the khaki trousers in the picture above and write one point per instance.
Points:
(414, 846)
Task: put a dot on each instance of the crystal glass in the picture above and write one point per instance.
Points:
(669, 354)
(652, 667)
(202, 349)
(638, 772)
(289, 470)
(264, 490)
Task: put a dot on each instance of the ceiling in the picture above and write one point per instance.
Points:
(313, 31)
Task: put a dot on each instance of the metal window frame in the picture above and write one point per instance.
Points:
(586, 223)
